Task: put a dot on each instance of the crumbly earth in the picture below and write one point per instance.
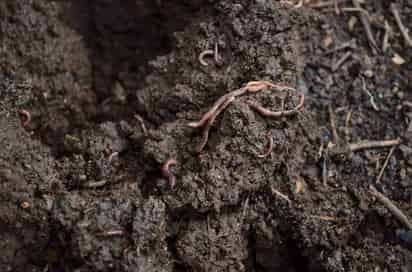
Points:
(111, 86)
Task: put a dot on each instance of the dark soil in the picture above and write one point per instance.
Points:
(111, 86)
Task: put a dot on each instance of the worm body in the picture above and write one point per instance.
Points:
(217, 58)
(215, 53)
(274, 114)
(203, 55)
(269, 148)
(205, 136)
(166, 171)
(208, 115)
(27, 115)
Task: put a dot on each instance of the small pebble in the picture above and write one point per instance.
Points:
(398, 60)
(368, 73)
(400, 94)
(25, 205)
(352, 22)
(327, 41)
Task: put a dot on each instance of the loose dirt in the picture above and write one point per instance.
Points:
(110, 87)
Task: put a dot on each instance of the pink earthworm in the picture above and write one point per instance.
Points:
(215, 53)
(205, 135)
(166, 172)
(203, 54)
(205, 118)
(27, 115)
(275, 114)
(269, 148)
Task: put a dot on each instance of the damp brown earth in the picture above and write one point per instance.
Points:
(96, 96)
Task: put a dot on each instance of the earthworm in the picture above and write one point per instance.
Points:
(205, 136)
(217, 57)
(270, 147)
(203, 54)
(215, 107)
(215, 53)
(27, 115)
(274, 114)
(166, 172)
(252, 86)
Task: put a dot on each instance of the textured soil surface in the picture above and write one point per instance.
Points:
(111, 86)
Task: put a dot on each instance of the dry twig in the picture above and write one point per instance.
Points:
(332, 119)
(373, 144)
(366, 26)
(325, 4)
(347, 122)
(111, 233)
(407, 104)
(401, 26)
(337, 64)
(378, 179)
(388, 32)
(96, 184)
(361, 10)
(276, 192)
(336, 5)
(327, 218)
(344, 45)
(391, 207)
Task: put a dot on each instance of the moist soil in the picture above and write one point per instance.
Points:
(111, 86)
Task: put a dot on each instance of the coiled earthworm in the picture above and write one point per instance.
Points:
(215, 53)
(27, 115)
